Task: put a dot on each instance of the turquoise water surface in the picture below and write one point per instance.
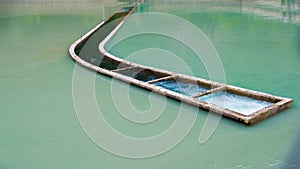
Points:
(258, 44)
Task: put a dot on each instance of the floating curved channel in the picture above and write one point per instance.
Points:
(89, 52)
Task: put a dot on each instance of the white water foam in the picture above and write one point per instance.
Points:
(237, 103)
(188, 89)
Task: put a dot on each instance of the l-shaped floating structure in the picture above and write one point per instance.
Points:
(243, 105)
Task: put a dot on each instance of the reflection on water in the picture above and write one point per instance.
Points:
(285, 10)
(288, 10)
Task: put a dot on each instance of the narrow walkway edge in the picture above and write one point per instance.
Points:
(146, 77)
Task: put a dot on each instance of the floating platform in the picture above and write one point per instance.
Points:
(243, 105)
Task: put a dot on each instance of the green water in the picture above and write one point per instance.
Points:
(38, 124)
